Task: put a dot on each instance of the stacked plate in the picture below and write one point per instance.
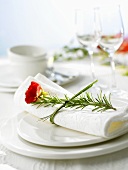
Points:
(9, 82)
(27, 135)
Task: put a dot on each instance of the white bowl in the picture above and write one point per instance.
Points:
(26, 53)
(28, 60)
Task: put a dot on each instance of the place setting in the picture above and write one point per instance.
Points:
(52, 124)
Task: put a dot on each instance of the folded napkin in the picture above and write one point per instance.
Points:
(106, 124)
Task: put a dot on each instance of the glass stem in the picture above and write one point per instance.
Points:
(92, 65)
(114, 85)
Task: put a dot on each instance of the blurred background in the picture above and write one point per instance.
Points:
(48, 23)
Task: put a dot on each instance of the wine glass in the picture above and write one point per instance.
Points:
(112, 33)
(88, 32)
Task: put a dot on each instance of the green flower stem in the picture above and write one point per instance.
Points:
(52, 116)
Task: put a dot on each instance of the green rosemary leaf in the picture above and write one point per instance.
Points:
(79, 107)
(47, 105)
(100, 97)
(66, 97)
(89, 97)
(105, 100)
(96, 108)
(92, 98)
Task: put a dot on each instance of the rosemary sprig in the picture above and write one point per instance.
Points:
(100, 103)
(78, 101)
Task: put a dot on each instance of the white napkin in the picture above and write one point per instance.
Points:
(106, 124)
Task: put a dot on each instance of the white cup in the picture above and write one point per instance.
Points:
(28, 60)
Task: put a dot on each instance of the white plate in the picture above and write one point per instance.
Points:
(7, 89)
(12, 141)
(36, 131)
(8, 77)
(33, 130)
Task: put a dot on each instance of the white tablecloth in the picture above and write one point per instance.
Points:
(113, 161)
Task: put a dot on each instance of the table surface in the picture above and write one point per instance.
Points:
(115, 161)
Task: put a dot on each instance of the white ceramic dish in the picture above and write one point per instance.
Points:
(7, 89)
(12, 141)
(28, 60)
(47, 134)
(8, 77)
(26, 53)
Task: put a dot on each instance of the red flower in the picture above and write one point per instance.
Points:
(33, 92)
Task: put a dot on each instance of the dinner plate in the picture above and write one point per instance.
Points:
(36, 131)
(15, 143)
(32, 129)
